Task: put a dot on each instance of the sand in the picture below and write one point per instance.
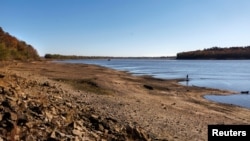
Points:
(163, 109)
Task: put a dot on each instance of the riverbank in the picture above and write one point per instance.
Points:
(48, 100)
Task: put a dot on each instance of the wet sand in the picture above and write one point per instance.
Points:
(161, 109)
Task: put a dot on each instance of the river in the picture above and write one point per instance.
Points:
(220, 74)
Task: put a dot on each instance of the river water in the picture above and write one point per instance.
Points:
(221, 74)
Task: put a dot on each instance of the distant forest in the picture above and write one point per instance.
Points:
(59, 56)
(13, 49)
(217, 53)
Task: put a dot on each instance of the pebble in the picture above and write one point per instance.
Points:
(41, 110)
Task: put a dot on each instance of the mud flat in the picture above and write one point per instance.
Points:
(53, 101)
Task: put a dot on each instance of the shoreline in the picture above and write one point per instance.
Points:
(182, 80)
(115, 104)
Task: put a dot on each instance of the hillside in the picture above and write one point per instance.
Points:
(13, 49)
(217, 53)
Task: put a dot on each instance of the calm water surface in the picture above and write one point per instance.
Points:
(222, 74)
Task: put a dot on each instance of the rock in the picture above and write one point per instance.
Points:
(79, 122)
(6, 116)
(117, 128)
(53, 135)
(46, 84)
(6, 122)
(136, 133)
(17, 88)
(56, 122)
(2, 75)
(14, 99)
(61, 134)
(13, 116)
(9, 92)
(77, 139)
(53, 110)
(94, 135)
(6, 104)
(35, 107)
(173, 103)
(1, 90)
(94, 117)
(94, 120)
(40, 110)
(48, 116)
(22, 120)
(16, 133)
(30, 137)
(68, 104)
(23, 96)
(77, 133)
(29, 125)
(148, 87)
(100, 127)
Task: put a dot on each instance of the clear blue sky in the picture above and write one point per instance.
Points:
(126, 27)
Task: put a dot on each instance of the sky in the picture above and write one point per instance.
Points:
(126, 27)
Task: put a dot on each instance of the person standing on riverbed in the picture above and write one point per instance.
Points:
(187, 79)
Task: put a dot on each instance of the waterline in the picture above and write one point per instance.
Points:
(230, 75)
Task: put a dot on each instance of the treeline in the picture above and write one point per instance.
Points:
(59, 56)
(217, 53)
(13, 49)
(62, 57)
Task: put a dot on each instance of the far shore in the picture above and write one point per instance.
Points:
(161, 109)
(66, 57)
